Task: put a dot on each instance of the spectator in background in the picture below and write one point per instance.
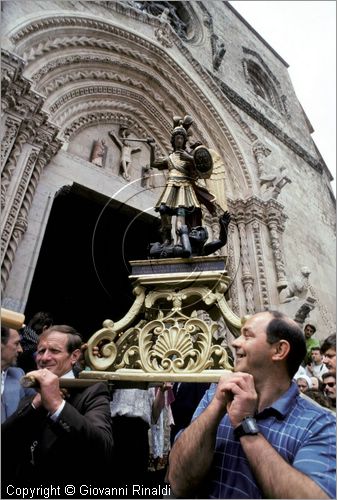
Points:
(11, 390)
(315, 383)
(316, 368)
(303, 383)
(328, 349)
(319, 398)
(329, 387)
(30, 337)
(310, 342)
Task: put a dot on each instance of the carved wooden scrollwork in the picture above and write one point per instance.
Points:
(169, 335)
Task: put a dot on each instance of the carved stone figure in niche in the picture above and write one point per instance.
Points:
(147, 177)
(297, 288)
(163, 32)
(126, 150)
(193, 242)
(98, 153)
(183, 194)
(218, 50)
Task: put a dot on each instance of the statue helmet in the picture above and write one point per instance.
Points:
(181, 126)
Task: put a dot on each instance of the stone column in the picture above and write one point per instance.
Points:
(247, 277)
(232, 270)
(15, 224)
(264, 295)
(277, 253)
(24, 134)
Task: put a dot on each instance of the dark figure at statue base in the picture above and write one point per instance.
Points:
(193, 242)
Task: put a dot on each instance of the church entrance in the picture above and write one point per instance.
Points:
(82, 272)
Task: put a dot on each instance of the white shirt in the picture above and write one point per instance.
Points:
(57, 413)
(3, 379)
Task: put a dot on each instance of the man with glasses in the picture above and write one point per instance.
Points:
(329, 387)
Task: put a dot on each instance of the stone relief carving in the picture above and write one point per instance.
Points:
(147, 180)
(218, 51)
(99, 152)
(260, 152)
(163, 32)
(273, 225)
(272, 183)
(298, 286)
(11, 129)
(126, 150)
(272, 178)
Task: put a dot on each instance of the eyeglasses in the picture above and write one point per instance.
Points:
(329, 384)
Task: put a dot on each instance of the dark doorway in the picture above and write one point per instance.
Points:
(82, 272)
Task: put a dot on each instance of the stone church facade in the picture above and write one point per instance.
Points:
(75, 75)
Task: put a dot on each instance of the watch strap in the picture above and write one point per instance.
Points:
(248, 427)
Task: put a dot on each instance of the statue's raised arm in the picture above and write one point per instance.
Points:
(116, 140)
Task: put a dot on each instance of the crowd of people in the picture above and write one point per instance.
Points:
(267, 431)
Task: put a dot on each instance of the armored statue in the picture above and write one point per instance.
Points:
(183, 195)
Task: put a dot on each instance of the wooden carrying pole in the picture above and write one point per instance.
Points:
(12, 319)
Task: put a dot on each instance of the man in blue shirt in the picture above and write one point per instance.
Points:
(253, 435)
(11, 389)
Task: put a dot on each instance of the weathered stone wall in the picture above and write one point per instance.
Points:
(74, 71)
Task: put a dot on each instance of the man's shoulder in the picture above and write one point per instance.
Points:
(15, 372)
(101, 389)
(312, 409)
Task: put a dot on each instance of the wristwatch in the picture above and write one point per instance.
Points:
(248, 426)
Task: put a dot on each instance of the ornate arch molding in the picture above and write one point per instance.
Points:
(36, 47)
(29, 142)
(79, 73)
(263, 81)
(31, 131)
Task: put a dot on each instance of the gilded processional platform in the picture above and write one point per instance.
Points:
(168, 333)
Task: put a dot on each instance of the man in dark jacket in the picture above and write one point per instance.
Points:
(52, 431)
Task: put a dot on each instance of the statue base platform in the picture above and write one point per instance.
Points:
(167, 335)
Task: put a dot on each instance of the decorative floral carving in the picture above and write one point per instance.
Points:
(11, 129)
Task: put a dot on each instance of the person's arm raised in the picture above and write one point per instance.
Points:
(275, 477)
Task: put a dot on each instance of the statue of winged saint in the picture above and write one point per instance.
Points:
(184, 194)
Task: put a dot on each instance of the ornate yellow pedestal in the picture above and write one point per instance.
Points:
(164, 337)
